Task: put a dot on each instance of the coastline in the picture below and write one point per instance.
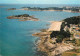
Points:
(64, 8)
(23, 17)
(47, 45)
(50, 10)
(19, 33)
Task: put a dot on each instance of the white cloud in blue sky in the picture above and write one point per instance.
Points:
(41, 1)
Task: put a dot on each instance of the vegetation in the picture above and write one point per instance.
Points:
(73, 41)
(60, 35)
(73, 9)
(12, 9)
(62, 26)
(75, 50)
(78, 42)
(69, 54)
(59, 38)
(73, 20)
(24, 15)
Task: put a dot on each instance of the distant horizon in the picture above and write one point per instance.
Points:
(45, 4)
(39, 1)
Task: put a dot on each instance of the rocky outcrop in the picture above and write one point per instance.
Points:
(12, 9)
(50, 45)
(23, 17)
(51, 48)
(54, 43)
(41, 34)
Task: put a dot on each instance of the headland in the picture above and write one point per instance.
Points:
(61, 38)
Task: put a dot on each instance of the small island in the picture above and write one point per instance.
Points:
(23, 17)
(61, 39)
(12, 9)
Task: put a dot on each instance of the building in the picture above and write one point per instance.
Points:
(77, 36)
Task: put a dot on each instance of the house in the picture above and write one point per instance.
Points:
(77, 29)
(77, 36)
(73, 26)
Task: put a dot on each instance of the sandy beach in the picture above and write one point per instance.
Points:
(55, 26)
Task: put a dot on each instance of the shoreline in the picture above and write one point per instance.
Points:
(64, 9)
(50, 10)
(23, 17)
(48, 45)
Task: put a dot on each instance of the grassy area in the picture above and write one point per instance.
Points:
(74, 52)
(78, 42)
(70, 54)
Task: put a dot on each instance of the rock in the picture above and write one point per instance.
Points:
(24, 17)
(12, 9)
(60, 49)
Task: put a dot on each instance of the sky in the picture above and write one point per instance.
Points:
(39, 1)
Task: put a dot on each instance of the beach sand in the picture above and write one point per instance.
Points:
(55, 26)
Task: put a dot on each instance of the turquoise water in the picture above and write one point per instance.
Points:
(16, 36)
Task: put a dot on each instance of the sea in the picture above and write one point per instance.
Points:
(16, 36)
